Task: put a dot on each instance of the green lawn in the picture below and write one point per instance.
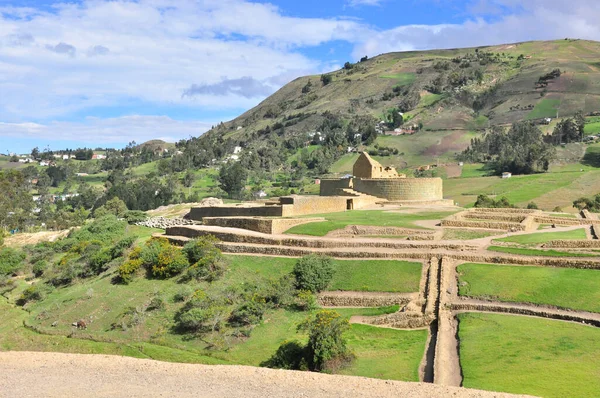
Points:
(466, 234)
(386, 353)
(561, 287)
(364, 217)
(538, 238)
(534, 252)
(473, 170)
(592, 125)
(365, 275)
(545, 108)
(525, 355)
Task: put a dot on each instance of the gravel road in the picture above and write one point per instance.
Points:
(39, 374)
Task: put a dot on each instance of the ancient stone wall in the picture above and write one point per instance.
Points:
(198, 213)
(258, 224)
(596, 231)
(297, 241)
(402, 189)
(332, 187)
(303, 205)
(563, 220)
(573, 244)
(498, 225)
(360, 299)
(513, 218)
(503, 210)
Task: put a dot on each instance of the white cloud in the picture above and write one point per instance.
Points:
(111, 130)
(522, 21)
(102, 53)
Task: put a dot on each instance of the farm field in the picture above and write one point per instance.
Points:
(538, 238)
(365, 217)
(524, 355)
(577, 289)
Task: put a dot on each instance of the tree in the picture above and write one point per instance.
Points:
(188, 179)
(313, 272)
(114, 206)
(326, 348)
(326, 79)
(35, 153)
(232, 178)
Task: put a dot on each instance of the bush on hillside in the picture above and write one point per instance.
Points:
(135, 216)
(11, 260)
(128, 269)
(532, 206)
(313, 272)
(207, 261)
(490, 203)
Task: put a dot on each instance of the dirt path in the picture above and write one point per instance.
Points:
(36, 374)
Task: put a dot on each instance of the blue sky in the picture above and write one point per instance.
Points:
(104, 73)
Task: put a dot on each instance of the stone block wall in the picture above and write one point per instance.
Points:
(332, 187)
(264, 225)
(303, 205)
(418, 189)
(198, 213)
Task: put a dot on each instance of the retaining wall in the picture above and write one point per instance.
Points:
(596, 231)
(573, 244)
(505, 226)
(402, 189)
(332, 187)
(513, 218)
(198, 213)
(193, 232)
(327, 299)
(563, 220)
(258, 224)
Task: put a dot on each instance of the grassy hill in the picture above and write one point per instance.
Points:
(455, 93)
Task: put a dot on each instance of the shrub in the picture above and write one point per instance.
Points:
(290, 355)
(157, 303)
(306, 300)
(135, 216)
(313, 272)
(487, 202)
(119, 248)
(248, 313)
(10, 260)
(326, 344)
(99, 260)
(39, 267)
(280, 292)
(557, 209)
(114, 206)
(32, 293)
(128, 269)
(183, 294)
(532, 206)
(207, 260)
(202, 314)
(171, 261)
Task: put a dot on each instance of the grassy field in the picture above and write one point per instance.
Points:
(538, 238)
(534, 252)
(465, 234)
(364, 217)
(592, 125)
(524, 355)
(545, 108)
(577, 289)
(402, 79)
(473, 170)
(365, 275)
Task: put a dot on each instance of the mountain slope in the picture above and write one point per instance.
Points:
(451, 93)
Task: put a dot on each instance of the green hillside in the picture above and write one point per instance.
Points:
(452, 93)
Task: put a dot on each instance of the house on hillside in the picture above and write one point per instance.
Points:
(506, 174)
(98, 156)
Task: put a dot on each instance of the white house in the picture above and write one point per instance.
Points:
(44, 163)
(506, 174)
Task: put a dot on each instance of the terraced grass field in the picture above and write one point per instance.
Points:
(534, 252)
(365, 275)
(524, 355)
(577, 289)
(365, 217)
(538, 238)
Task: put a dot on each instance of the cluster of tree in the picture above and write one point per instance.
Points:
(520, 150)
(491, 203)
(544, 79)
(568, 130)
(584, 203)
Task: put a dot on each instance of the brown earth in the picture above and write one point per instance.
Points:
(36, 374)
(23, 239)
